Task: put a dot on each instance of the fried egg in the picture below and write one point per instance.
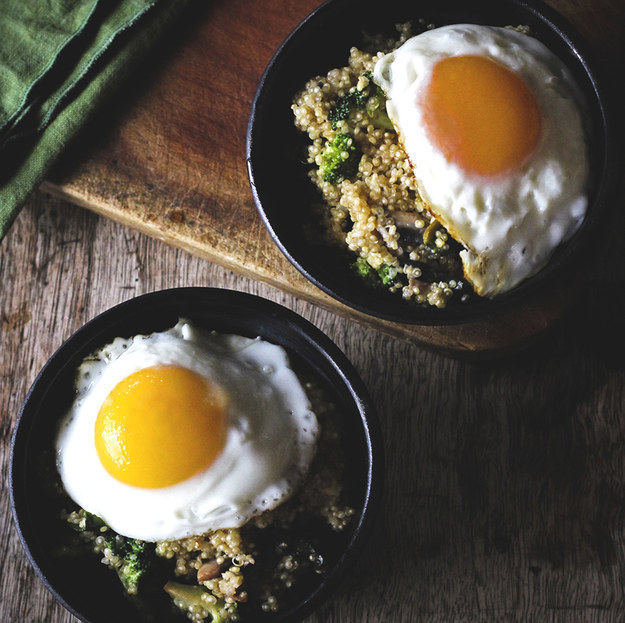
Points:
(491, 121)
(184, 431)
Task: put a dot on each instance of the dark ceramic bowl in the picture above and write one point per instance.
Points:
(275, 148)
(79, 581)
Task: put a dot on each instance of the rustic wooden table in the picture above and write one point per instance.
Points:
(505, 479)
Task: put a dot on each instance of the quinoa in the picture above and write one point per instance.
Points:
(262, 567)
(377, 213)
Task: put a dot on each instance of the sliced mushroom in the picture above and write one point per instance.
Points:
(406, 220)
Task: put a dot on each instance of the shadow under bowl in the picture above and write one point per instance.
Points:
(77, 579)
(276, 149)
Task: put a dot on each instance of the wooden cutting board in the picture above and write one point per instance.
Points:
(171, 161)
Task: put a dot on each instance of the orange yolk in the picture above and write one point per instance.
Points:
(160, 426)
(481, 115)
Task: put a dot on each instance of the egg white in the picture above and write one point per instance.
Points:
(508, 225)
(270, 439)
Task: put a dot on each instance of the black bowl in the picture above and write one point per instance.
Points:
(277, 173)
(80, 582)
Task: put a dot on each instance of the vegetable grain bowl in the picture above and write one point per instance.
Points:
(435, 162)
(195, 454)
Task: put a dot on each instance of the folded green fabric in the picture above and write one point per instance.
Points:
(60, 60)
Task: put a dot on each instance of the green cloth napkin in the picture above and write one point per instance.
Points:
(59, 60)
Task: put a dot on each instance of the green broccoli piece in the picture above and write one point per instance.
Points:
(134, 555)
(387, 274)
(85, 521)
(364, 269)
(368, 97)
(344, 107)
(339, 159)
(384, 275)
(187, 596)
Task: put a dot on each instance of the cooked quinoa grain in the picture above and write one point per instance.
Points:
(377, 212)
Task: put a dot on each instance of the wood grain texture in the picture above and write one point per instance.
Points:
(505, 480)
(172, 163)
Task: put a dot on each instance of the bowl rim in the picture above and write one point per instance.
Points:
(290, 322)
(604, 187)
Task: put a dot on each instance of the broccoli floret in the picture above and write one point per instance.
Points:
(344, 107)
(384, 275)
(364, 269)
(134, 555)
(84, 521)
(368, 97)
(339, 159)
(387, 274)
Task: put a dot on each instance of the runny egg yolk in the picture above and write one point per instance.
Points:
(481, 115)
(159, 426)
